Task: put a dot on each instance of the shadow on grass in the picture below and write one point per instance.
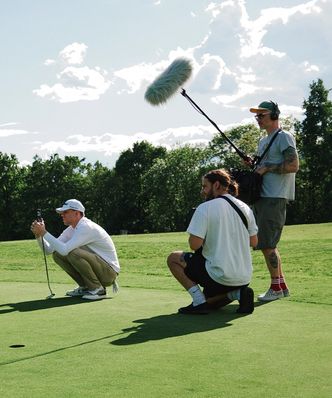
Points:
(35, 305)
(155, 328)
(172, 325)
(43, 354)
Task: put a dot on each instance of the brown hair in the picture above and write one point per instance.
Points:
(225, 180)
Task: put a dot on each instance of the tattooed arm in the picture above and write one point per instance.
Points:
(289, 165)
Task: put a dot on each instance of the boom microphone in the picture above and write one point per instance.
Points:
(168, 82)
(166, 85)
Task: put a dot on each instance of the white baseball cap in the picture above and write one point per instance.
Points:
(71, 204)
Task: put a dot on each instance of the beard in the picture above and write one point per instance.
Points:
(209, 195)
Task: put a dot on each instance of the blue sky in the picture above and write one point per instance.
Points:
(74, 72)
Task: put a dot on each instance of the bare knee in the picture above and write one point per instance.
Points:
(174, 258)
(170, 259)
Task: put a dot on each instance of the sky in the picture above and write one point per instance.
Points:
(74, 72)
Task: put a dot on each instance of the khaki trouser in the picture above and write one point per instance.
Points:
(86, 268)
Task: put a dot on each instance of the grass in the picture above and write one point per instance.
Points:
(135, 345)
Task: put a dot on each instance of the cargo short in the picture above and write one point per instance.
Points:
(270, 214)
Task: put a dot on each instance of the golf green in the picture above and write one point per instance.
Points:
(134, 344)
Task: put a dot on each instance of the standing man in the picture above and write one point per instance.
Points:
(84, 250)
(221, 237)
(278, 169)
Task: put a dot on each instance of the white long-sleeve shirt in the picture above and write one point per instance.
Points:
(86, 233)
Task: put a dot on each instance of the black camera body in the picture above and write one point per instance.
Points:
(39, 217)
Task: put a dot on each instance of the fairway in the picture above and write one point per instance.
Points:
(134, 344)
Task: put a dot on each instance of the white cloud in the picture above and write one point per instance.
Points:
(74, 53)
(235, 43)
(255, 30)
(216, 9)
(250, 62)
(291, 110)
(12, 132)
(8, 124)
(113, 144)
(75, 83)
(209, 72)
(230, 22)
(251, 32)
(310, 67)
(243, 90)
(136, 75)
(49, 62)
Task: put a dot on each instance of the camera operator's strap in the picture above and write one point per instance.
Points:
(239, 212)
(259, 158)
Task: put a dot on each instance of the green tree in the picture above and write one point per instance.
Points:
(48, 183)
(244, 137)
(102, 198)
(129, 209)
(314, 136)
(172, 187)
(11, 185)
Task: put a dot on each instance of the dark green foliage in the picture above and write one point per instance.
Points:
(314, 137)
(171, 188)
(244, 137)
(49, 183)
(11, 187)
(129, 212)
(152, 189)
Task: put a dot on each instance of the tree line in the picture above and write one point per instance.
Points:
(152, 189)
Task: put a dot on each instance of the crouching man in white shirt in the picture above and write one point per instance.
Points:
(84, 250)
(221, 234)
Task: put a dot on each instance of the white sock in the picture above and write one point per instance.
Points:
(234, 294)
(197, 295)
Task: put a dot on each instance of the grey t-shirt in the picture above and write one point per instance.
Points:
(277, 185)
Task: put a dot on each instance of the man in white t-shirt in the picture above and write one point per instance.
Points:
(221, 236)
(84, 250)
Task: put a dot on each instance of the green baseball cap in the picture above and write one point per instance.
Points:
(266, 106)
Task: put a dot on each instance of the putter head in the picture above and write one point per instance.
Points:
(50, 296)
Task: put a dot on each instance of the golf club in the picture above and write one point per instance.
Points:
(40, 219)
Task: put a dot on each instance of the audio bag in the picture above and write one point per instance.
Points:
(250, 182)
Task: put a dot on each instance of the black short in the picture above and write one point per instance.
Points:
(196, 271)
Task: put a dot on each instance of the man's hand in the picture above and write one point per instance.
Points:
(262, 170)
(289, 165)
(38, 228)
(248, 161)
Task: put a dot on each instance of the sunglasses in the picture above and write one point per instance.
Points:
(261, 115)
